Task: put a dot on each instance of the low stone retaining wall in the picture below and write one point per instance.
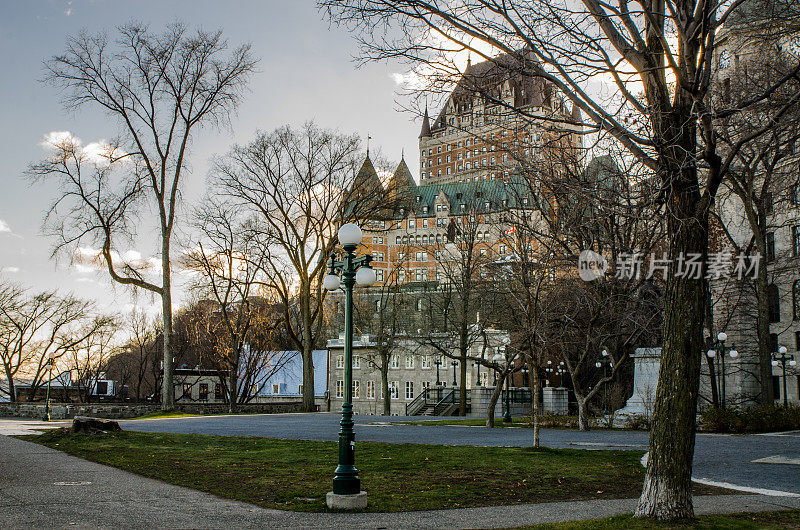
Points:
(60, 411)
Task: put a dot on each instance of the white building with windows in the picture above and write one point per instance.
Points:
(414, 366)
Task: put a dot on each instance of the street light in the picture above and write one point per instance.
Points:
(50, 361)
(455, 381)
(438, 363)
(354, 270)
(712, 353)
(604, 362)
(782, 358)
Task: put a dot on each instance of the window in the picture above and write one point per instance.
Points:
(340, 361)
(774, 304)
(102, 388)
(340, 389)
(276, 388)
(426, 362)
(395, 362)
(356, 362)
(370, 389)
(502, 248)
(770, 246)
(217, 391)
(420, 275)
(394, 392)
(356, 389)
(410, 362)
(379, 274)
(421, 255)
(796, 241)
(796, 299)
(425, 385)
(411, 223)
(409, 390)
(203, 395)
(397, 240)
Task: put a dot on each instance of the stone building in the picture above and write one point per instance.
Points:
(749, 47)
(414, 366)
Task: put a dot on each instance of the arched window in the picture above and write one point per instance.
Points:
(405, 240)
(774, 303)
(419, 240)
(424, 240)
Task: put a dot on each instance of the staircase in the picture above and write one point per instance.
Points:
(436, 402)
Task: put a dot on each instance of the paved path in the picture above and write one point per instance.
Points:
(44, 488)
(718, 458)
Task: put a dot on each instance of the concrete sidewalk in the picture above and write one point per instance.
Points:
(42, 487)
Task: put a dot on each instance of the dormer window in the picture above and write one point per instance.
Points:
(486, 205)
(524, 201)
(424, 209)
(463, 207)
(419, 198)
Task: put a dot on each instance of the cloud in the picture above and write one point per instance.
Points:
(6, 229)
(88, 259)
(11, 270)
(98, 153)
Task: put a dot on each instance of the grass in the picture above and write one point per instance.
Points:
(760, 520)
(295, 475)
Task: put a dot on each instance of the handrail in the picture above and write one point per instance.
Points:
(420, 401)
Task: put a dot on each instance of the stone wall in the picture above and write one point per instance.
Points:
(60, 411)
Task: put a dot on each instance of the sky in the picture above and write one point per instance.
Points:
(306, 72)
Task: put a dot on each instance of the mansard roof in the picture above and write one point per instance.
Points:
(486, 78)
(473, 195)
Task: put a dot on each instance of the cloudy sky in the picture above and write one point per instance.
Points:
(306, 72)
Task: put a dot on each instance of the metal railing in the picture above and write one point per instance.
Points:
(441, 398)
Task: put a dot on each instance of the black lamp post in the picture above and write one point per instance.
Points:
(722, 349)
(782, 358)
(604, 362)
(354, 270)
(455, 381)
(438, 363)
(51, 361)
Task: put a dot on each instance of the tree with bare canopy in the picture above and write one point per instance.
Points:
(298, 186)
(654, 61)
(158, 88)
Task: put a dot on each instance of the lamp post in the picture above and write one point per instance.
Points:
(604, 362)
(455, 381)
(781, 357)
(51, 361)
(438, 363)
(720, 345)
(347, 492)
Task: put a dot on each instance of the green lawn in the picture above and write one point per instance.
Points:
(295, 475)
(762, 520)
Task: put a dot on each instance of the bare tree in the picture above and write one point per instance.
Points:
(88, 357)
(227, 262)
(158, 88)
(298, 185)
(655, 104)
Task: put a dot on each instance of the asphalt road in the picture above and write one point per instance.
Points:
(718, 458)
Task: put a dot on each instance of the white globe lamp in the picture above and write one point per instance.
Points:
(331, 282)
(365, 276)
(734, 354)
(350, 235)
(711, 354)
(722, 336)
(782, 350)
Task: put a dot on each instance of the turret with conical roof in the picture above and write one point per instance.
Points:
(367, 180)
(426, 125)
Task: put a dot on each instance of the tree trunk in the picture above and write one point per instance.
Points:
(765, 396)
(12, 393)
(498, 387)
(233, 383)
(462, 404)
(667, 490)
(387, 399)
(167, 385)
(308, 376)
(583, 412)
(535, 403)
